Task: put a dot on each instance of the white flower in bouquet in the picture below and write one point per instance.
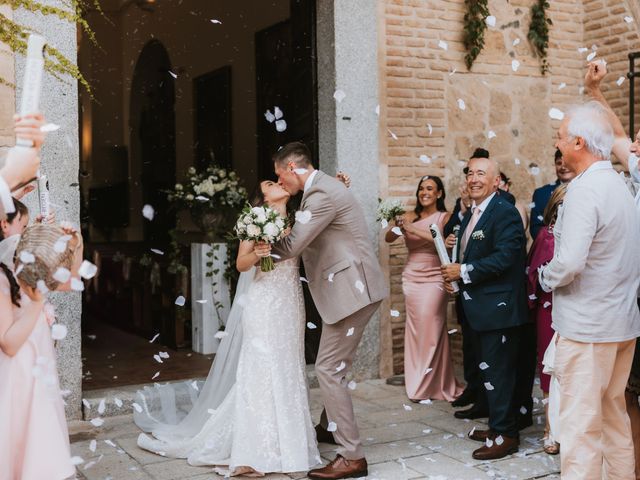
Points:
(261, 224)
(389, 209)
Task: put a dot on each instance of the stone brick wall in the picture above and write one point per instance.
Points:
(422, 83)
(7, 93)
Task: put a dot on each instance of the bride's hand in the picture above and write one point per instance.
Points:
(262, 249)
(344, 178)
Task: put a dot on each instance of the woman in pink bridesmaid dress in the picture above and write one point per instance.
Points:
(428, 369)
(34, 440)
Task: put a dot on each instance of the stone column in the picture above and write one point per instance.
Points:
(60, 163)
(347, 44)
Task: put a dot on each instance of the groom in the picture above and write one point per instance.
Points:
(347, 286)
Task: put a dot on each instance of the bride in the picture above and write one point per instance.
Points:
(252, 413)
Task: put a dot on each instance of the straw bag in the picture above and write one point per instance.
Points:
(43, 248)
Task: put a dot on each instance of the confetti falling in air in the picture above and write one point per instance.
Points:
(58, 331)
(300, 171)
(341, 367)
(27, 257)
(535, 170)
(352, 385)
(118, 402)
(157, 358)
(77, 285)
(378, 110)
(137, 407)
(155, 375)
(556, 113)
(452, 331)
(215, 21)
(102, 406)
(221, 334)
(269, 116)
(483, 366)
(591, 56)
(516, 161)
(394, 313)
(359, 286)
(491, 134)
(504, 339)
(61, 244)
(466, 296)
(311, 326)
(156, 251)
(339, 95)
(303, 216)
(428, 370)
(546, 305)
(93, 445)
(148, 212)
(443, 45)
(384, 223)
(515, 65)
(499, 440)
(350, 332)
(490, 21)
(488, 386)
(75, 461)
(173, 74)
(154, 338)
(561, 86)
(397, 231)
(330, 277)
(428, 401)
(430, 128)
(628, 19)
(620, 81)
(87, 270)
(332, 427)
(407, 407)
(180, 301)
(281, 125)
(523, 410)
(583, 50)
(49, 127)
(461, 104)
(425, 159)
(42, 287)
(62, 275)
(97, 422)
(516, 42)
(393, 135)
(532, 297)
(502, 304)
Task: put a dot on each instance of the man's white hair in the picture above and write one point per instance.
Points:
(591, 123)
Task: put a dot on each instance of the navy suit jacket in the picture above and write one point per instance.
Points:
(495, 259)
(541, 197)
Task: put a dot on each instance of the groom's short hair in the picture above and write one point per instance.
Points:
(296, 152)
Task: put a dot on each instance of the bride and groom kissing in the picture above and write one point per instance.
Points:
(252, 414)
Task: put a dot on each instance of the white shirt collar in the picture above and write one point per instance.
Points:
(599, 165)
(309, 181)
(483, 206)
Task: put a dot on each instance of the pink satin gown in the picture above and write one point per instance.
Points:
(428, 369)
(34, 440)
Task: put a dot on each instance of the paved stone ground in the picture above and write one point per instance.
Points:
(402, 441)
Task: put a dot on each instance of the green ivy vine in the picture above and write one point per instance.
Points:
(15, 36)
(474, 28)
(539, 32)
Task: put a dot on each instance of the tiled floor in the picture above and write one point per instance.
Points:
(423, 442)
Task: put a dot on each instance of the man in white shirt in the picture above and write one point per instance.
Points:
(627, 154)
(594, 275)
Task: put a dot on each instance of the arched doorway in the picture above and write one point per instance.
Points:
(152, 140)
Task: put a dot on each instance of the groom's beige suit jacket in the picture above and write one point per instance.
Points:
(339, 260)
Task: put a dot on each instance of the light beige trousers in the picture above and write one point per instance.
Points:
(338, 345)
(595, 431)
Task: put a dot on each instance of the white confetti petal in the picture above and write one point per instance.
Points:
(352, 385)
(466, 296)
(303, 216)
(332, 427)
(62, 275)
(452, 331)
(428, 370)
(534, 170)
(425, 158)
(269, 116)
(180, 301)
(277, 113)
(102, 406)
(93, 444)
(397, 231)
(488, 385)
(341, 367)
(628, 19)
(220, 334)
(360, 286)
(27, 257)
(110, 443)
(516, 42)
(86, 404)
(97, 422)
(302, 279)
(281, 125)
(155, 375)
(118, 402)
(75, 461)
(502, 304)
(591, 56)
(300, 171)
(491, 134)
(194, 385)
(156, 251)
(384, 223)
(408, 408)
(490, 20)
(215, 21)
(87, 270)
(58, 331)
(620, 81)
(394, 313)
(443, 45)
(157, 358)
(311, 326)
(77, 285)
(515, 65)
(378, 110)
(523, 410)
(393, 135)
(350, 331)
(489, 443)
(49, 127)
(499, 440)
(561, 86)
(148, 212)
(137, 407)
(430, 128)
(174, 75)
(483, 366)
(339, 95)
(42, 287)
(504, 339)
(461, 104)
(330, 277)
(516, 161)
(61, 244)
(154, 338)
(428, 401)
(583, 50)
(556, 114)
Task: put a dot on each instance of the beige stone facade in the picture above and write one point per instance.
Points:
(423, 83)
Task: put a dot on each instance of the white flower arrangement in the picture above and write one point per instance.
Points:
(261, 224)
(478, 235)
(389, 209)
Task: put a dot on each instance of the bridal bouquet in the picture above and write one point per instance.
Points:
(261, 224)
(389, 209)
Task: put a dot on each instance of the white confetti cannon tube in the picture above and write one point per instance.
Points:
(442, 251)
(454, 252)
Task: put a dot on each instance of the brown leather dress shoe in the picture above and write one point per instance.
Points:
(480, 435)
(497, 446)
(341, 468)
(324, 436)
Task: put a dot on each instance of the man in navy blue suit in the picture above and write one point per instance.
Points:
(542, 195)
(490, 271)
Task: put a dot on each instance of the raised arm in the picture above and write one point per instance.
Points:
(322, 210)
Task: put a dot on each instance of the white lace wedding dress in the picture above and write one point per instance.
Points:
(263, 419)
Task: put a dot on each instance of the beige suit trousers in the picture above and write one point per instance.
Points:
(595, 432)
(338, 344)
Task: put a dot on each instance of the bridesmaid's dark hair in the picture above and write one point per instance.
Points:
(19, 209)
(439, 202)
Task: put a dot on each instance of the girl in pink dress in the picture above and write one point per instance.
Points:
(428, 369)
(34, 441)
